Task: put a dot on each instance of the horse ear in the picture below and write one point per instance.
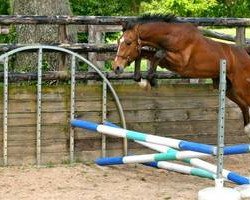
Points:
(124, 26)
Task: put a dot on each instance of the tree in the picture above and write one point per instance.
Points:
(231, 8)
(44, 34)
(185, 8)
(107, 7)
(199, 8)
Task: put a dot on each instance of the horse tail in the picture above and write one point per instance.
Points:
(247, 49)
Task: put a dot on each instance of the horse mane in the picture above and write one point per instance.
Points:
(247, 49)
(128, 25)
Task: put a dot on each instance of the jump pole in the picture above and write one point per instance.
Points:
(171, 154)
(119, 132)
(172, 166)
(173, 143)
(181, 169)
(219, 191)
(198, 163)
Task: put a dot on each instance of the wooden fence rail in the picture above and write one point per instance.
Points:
(64, 76)
(77, 47)
(111, 20)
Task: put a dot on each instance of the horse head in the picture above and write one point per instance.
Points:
(129, 48)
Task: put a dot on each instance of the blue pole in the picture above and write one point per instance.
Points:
(182, 144)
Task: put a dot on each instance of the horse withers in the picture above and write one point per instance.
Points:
(189, 53)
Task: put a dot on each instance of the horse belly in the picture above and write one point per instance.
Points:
(201, 69)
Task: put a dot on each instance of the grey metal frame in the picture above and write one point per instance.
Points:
(5, 113)
(4, 59)
(39, 106)
(221, 123)
(104, 116)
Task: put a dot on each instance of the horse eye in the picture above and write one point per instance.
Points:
(128, 42)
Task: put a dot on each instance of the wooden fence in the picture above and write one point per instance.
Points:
(186, 111)
(96, 26)
(183, 111)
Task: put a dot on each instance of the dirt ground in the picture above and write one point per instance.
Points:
(89, 181)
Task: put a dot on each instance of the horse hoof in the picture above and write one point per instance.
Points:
(144, 84)
(137, 79)
(247, 130)
(153, 83)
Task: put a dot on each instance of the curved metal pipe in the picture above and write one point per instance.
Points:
(116, 98)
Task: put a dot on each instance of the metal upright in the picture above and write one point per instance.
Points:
(221, 124)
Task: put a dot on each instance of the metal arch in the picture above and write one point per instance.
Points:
(81, 58)
(60, 49)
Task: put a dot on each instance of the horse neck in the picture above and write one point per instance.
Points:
(151, 34)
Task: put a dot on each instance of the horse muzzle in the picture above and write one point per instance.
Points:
(118, 70)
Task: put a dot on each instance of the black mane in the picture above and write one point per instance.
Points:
(149, 18)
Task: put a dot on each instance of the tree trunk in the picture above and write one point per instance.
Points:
(43, 34)
(135, 6)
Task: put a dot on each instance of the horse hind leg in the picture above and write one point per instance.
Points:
(247, 129)
(244, 109)
(231, 94)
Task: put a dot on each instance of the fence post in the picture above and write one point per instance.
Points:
(240, 39)
(94, 37)
(91, 40)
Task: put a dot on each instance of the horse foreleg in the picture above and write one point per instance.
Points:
(154, 62)
(151, 73)
(137, 71)
(232, 95)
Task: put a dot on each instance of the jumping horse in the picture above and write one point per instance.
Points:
(187, 52)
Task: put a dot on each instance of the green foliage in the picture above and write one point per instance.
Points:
(4, 7)
(9, 38)
(231, 8)
(5, 10)
(185, 8)
(199, 8)
(101, 7)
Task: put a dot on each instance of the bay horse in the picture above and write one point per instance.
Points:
(189, 53)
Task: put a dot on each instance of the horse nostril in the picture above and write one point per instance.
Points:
(118, 70)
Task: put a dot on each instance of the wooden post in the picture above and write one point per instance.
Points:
(91, 40)
(4, 30)
(62, 39)
(240, 36)
(99, 39)
(94, 38)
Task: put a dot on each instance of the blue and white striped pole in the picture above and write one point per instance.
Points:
(119, 132)
(182, 169)
(206, 168)
(160, 164)
(169, 154)
(172, 166)
(174, 143)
